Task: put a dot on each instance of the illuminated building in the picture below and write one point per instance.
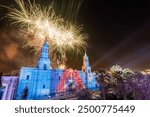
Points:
(43, 82)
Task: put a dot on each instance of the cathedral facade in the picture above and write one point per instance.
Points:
(43, 82)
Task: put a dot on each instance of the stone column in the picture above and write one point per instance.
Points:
(10, 84)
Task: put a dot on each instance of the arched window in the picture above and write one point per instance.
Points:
(45, 66)
(43, 86)
(24, 93)
(42, 49)
(27, 77)
(46, 50)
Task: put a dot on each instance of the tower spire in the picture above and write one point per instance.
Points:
(44, 61)
(86, 66)
(88, 73)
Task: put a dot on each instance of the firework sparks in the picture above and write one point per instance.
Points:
(39, 24)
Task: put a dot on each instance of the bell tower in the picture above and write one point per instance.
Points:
(86, 66)
(44, 61)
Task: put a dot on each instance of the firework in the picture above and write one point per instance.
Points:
(38, 24)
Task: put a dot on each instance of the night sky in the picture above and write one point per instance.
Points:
(119, 33)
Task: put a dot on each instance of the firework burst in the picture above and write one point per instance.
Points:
(38, 24)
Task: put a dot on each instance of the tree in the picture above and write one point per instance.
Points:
(104, 81)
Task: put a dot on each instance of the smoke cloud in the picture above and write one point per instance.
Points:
(12, 55)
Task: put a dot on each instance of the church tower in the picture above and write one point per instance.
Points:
(86, 66)
(44, 61)
(89, 76)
